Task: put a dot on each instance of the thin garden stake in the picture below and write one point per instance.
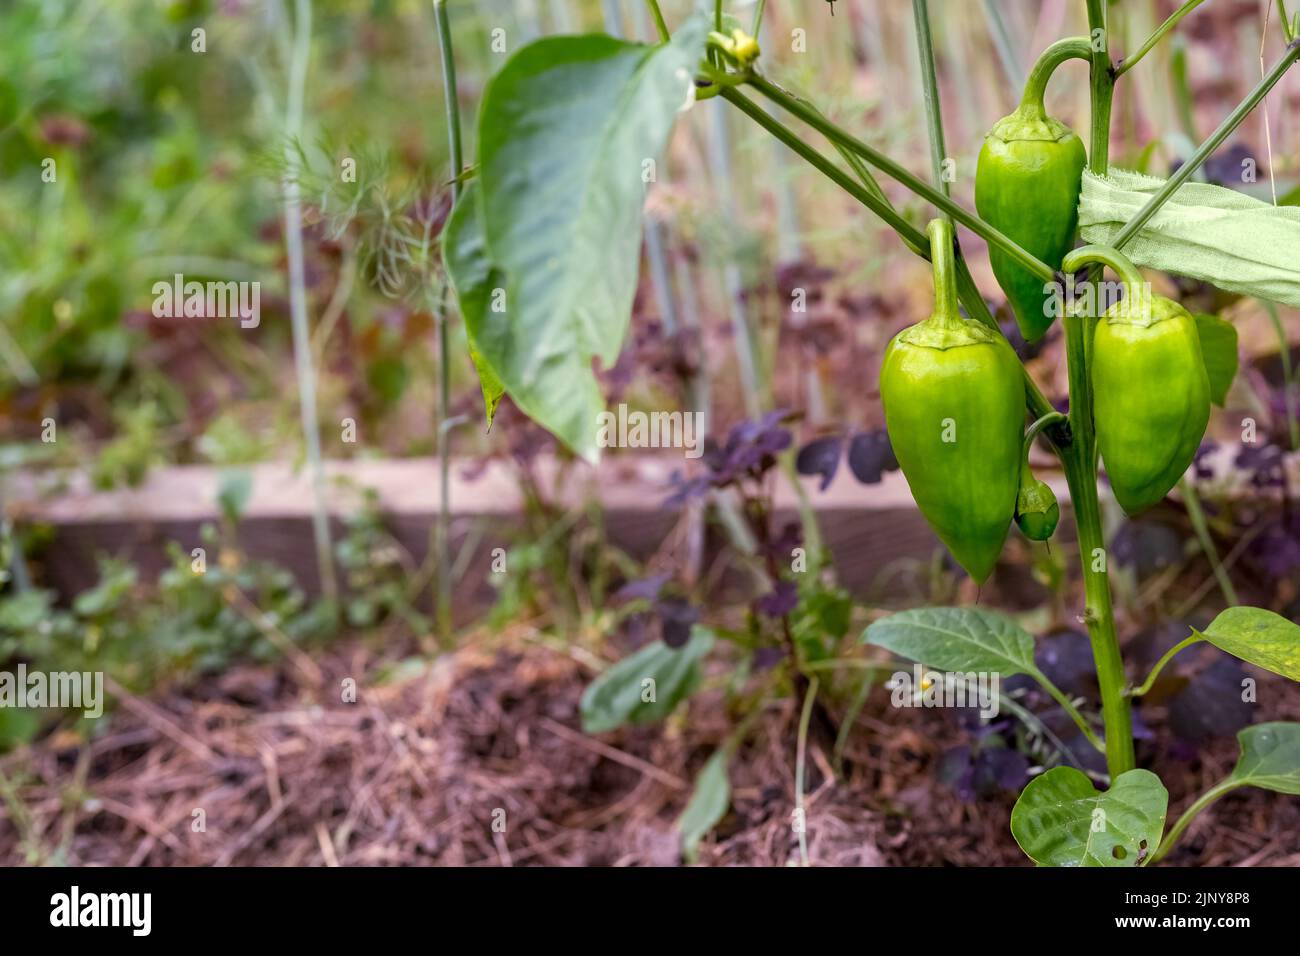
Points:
(298, 299)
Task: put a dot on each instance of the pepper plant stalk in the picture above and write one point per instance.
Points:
(1079, 460)
(874, 200)
(796, 107)
(1102, 80)
(443, 526)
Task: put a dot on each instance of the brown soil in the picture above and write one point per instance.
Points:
(416, 771)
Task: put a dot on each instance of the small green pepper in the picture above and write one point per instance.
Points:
(954, 400)
(1027, 182)
(1037, 510)
(1151, 393)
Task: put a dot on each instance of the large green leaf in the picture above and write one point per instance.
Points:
(1260, 637)
(1270, 757)
(1219, 352)
(566, 132)
(646, 686)
(957, 639)
(1061, 819)
(708, 804)
(464, 254)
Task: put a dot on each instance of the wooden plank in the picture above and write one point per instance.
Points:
(866, 527)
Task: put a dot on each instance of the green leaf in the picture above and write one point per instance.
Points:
(464, 255)
(1270, 757)
(1061, 819)
(566, 131)
(233, 492)
(1259, 637)
(956, 639)
(708, 804)
(17, 726)
(1219, 352)
(1221, 236)
(619, 695)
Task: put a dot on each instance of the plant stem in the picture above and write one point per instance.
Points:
(1102, 85)
(1107, 256)
(801, 749)
(1128, 63)
(660, 25)
(758, 18)
(872, 199)
(1066, 705)
(875, 200)
(1071, 48)
(1190, 813)
(1080, 462)
(930, 85)
(1080, 457)
(796, 107)
(450, 94)
(306, 373)
(1289, 27)
(1160, 664)
(851, 715)
(1134, 225)
(1051, 418)
(1192, 501)
(941, 257)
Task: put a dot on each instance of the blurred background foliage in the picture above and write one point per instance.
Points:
(169, 160)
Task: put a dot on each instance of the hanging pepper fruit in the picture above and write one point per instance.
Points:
(954, 400)
(1150, 390)
(1027, 184)
(1037, 511)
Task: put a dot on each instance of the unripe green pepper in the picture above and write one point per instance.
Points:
(1151, 396)
(1037, 510)
(954, 400)
(1027, 184)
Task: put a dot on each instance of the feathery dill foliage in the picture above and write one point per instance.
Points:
(392, 222)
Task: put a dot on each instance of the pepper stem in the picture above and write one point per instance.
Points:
(1071, 48)
(1137, 298)
(945, 271)
(1051, 418)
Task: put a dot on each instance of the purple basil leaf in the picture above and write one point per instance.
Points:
(1066, 658)
(676, 618)
(997, 769)
(1146, 547)
(870, 456)
(780, 601)
(954, 770)
(1211, 704)
(1265, 463)
(821, 456)
(1199, 462)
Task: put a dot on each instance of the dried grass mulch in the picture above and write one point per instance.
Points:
(416, 772)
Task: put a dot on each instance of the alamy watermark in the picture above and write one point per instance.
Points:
(1093, 299)
(637, 429)
(71, 690)
(927, 688)
(179, 299)
(133, 911)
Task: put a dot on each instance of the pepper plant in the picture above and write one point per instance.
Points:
(543, 249)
